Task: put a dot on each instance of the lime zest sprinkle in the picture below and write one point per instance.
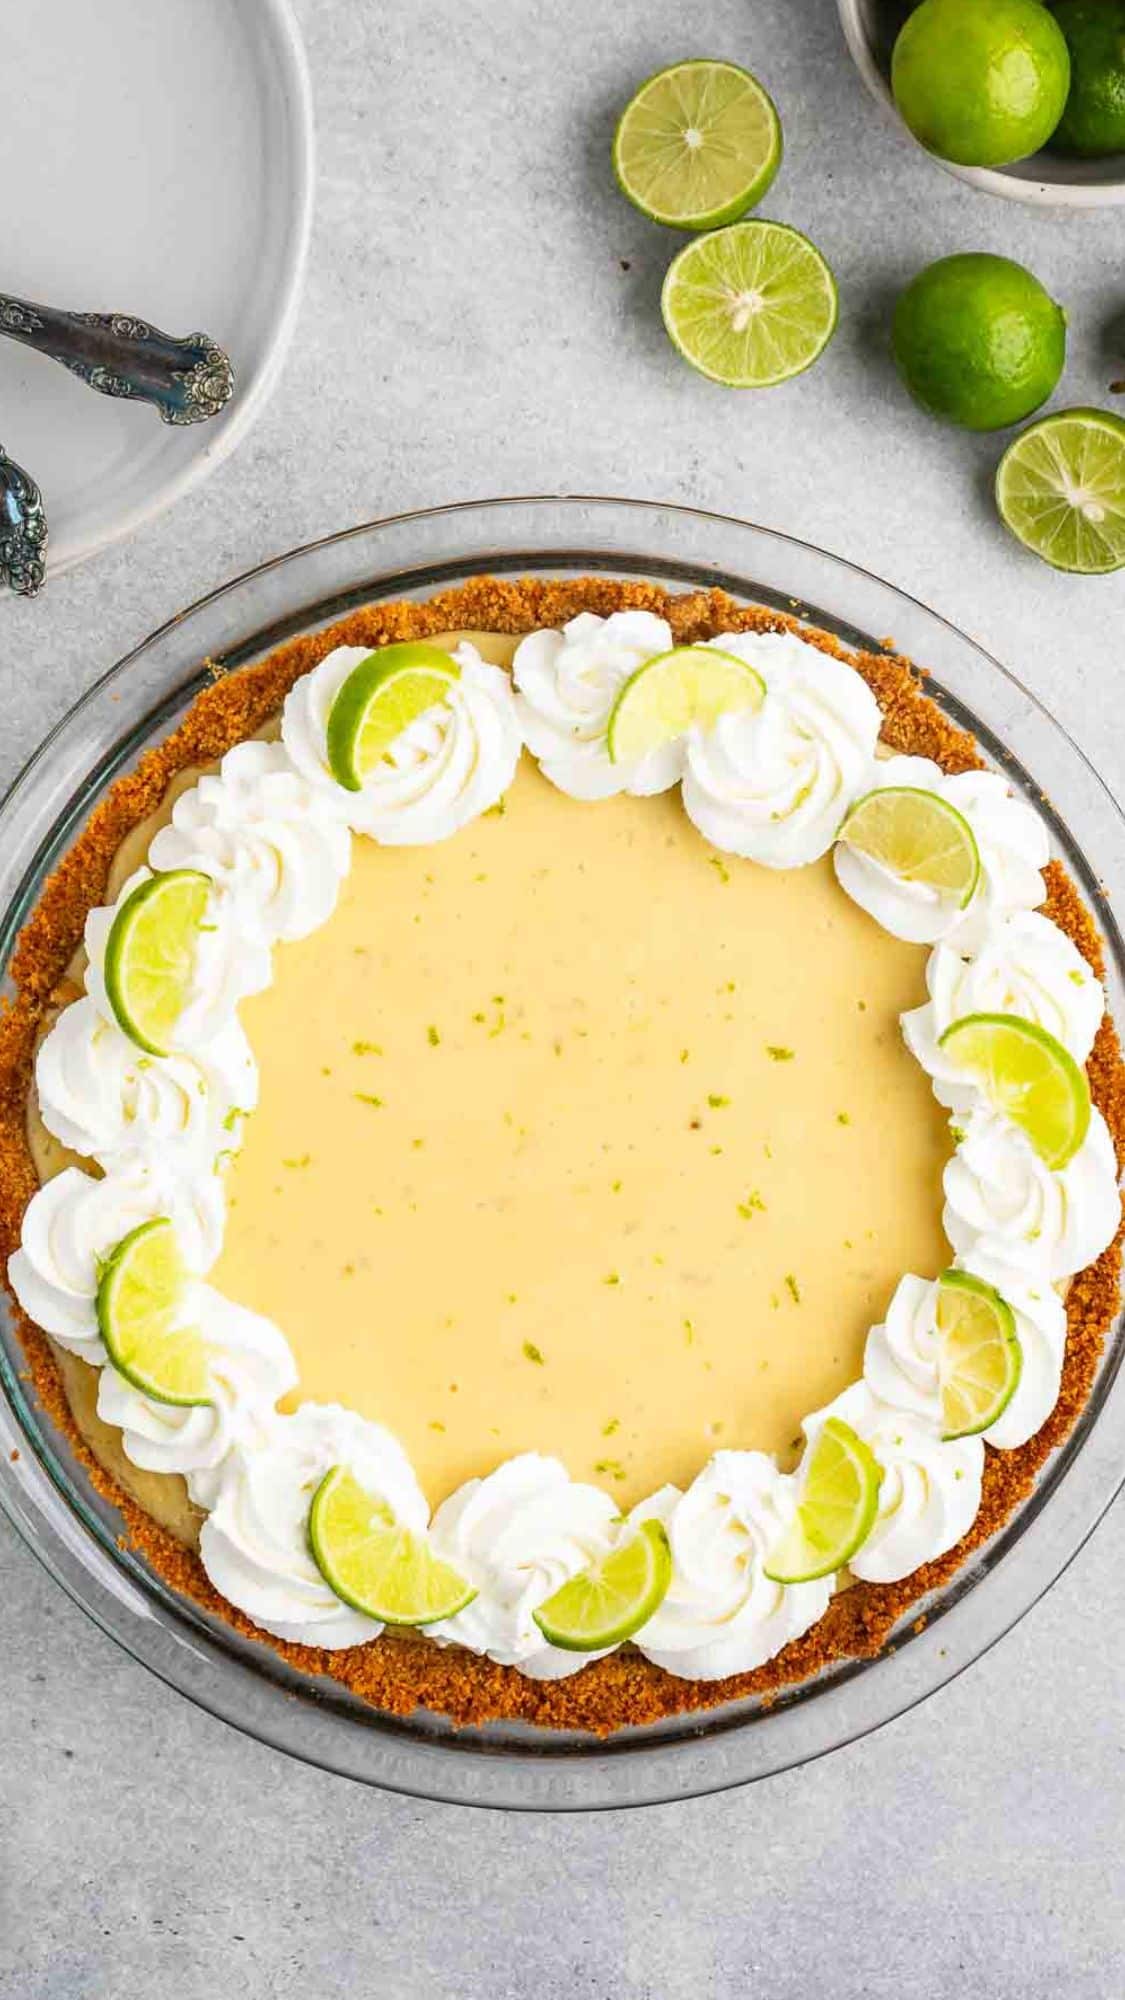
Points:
(753, 1205)
(432, 1036)
(793, 1288)
(717, 1102)
(303, 1160)
(716, 862)
(614, 1424)
(610, 1467)
(533, 1353)
(843, 1118)
(612, 1278)
(365, 1097)
(777, 1053)
(366, 1049)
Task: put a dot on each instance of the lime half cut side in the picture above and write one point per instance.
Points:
(751, 305)
(698, 145)
(140, 1296)
(374, 1563)
(672, 691)
(979, 1354)
(1029, 1076)
(605, 1604)
(150, 955)
(917, 837)
(381, 697)
(1060, 488)
(836, 1511)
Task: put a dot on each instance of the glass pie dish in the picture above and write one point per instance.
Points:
(44, 1489)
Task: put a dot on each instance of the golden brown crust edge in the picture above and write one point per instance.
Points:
(400, 1674)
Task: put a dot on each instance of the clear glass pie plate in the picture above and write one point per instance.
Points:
(46, 1494)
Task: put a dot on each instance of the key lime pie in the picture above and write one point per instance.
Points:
(562, 1151)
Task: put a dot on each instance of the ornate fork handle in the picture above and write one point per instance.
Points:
(119, 355)
(23, 529)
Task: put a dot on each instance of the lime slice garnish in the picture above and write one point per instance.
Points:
(915, 835)
(150, 955)
(606, 1603)
(140, 1291)
(750, 305)
(698, 145)
(1060, 488)
(691, 684)
(380, 698)
(1028, 1075)
(979, 1354)
(375, 1564)
(836, 1511)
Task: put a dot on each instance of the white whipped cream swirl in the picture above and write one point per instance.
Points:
(774, 784)
(900, 1362)
(446, 767)
(722, 1614)
(930, 1491)
(1023, 964)
(230, 963)
(518, 1536)
(74, 1221)
(250, 1366)
(178, 1115)
(1002, 1201)
(266, 836)
(567, 684)
(1011, 842)
(255, 1541)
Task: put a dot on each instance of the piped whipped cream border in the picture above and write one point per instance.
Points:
(273, 831)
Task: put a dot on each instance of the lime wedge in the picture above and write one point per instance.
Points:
(836, 1511)
(751, 305)
(915, 835)
(150, 955)
(139, 1295)
(979, 1354)
(1060, 488)
(1025, 1073)
(380, 698)
(698, 145)
(606, 1603)
(375, 1564)
(691, 684)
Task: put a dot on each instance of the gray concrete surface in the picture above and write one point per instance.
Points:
(470, 327)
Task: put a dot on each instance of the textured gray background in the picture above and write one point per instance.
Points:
(468, 329)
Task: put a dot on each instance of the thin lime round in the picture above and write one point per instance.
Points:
(381, 697)
(375, 1564)
(150, 955)
(750, 305)
(1029, 1076)
(606, 1603)
(698, 145)
(836, 1511)
(981, 82)
(140, 1297)
(918, 837)
(662, 700)
(978, 341)
(1060, 488)
(1093, 124)
(979, 1354)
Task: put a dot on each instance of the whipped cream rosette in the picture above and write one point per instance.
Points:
(930, 1490)
(774, 784)
(231, 961)
(723, 1614)
(517, 1536)
(1003, 1201)
(267, 836)
(444, 769)
(567, 684)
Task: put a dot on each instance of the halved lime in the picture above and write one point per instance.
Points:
(606, 1603)
(140, 1293)
(750, 305)
(1060, 488)
(915, 835)
(380, 698)
(979, 1354)
(691, 684)
(698, 145)
(1029, 1076)
(150, 955)
(375, 1564)
(836, 1511)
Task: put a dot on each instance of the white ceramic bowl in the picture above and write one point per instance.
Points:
(869, 30)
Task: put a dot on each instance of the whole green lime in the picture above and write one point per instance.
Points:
(1094, 120)
(981, 82)
(978, 341)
